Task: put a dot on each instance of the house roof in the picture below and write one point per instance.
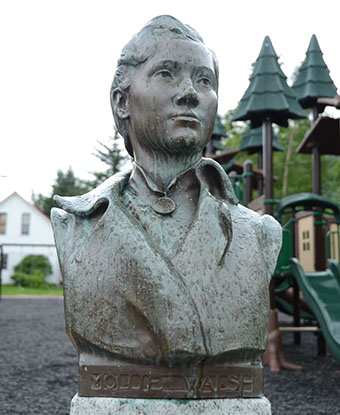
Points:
(16, 194)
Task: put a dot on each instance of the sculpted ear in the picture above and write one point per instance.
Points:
(120, 103)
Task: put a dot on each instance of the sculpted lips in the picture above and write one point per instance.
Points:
(187, 118)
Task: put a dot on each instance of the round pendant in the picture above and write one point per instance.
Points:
(163, 205)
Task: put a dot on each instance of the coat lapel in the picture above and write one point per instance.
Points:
(127, 268)
(210, 235)
(126, 264)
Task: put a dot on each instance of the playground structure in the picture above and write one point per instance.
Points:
(320, 289)
(304, 217)
(306, 283)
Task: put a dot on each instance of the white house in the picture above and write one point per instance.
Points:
(25, 230)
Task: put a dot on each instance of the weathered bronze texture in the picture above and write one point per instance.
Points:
(174, 291)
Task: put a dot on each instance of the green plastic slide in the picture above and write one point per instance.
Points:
(322, 293)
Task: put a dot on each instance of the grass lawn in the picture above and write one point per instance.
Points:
(9, 289)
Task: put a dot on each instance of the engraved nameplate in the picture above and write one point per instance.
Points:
(131, 381)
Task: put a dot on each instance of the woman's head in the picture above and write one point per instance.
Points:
(138, 51)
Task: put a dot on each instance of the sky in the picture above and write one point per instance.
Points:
(58, 58)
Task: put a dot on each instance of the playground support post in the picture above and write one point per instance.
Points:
(316, 171)
(296, 311)
(260, 167)
(274, 355)
(316, 160)
(320, 252)
(267, 137)
(248, 177)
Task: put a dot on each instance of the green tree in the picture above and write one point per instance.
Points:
(234, 130)
(66, 184)
(330, 177)
(31, 263)
(292, 171)
(113, 155)
(31, 271)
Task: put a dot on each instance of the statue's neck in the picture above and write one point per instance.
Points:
(162, 168)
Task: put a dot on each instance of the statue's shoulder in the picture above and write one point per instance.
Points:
(268, 232)
(267, 223)
(85, 205)
(79, 214)
(271, 241)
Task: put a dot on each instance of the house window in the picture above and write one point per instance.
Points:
(25, 224)
(4, 260)
(3, 223)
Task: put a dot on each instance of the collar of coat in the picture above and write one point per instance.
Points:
(211, 175)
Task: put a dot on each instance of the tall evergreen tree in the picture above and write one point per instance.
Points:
(112, 155)
(66, 184)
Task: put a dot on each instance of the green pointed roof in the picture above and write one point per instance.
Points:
(313, 79)
(268, 95)
(252, 141)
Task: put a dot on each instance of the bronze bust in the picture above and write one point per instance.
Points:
(165, 274)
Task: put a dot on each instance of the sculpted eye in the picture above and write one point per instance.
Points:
(205, 82)
(164, 73)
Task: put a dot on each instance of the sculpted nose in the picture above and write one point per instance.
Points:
(187, 97)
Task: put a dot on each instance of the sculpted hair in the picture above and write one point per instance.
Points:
(139, 50)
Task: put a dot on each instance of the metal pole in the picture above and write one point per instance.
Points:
(316, 171)
(260, 167)
(247, 181)
(320, 259)
(296, 311)
(316, 160)
(267, 137)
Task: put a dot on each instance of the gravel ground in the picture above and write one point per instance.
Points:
(38, 366)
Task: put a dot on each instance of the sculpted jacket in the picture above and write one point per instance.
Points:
(125, 297)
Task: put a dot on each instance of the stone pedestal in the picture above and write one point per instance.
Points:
(121, 406)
